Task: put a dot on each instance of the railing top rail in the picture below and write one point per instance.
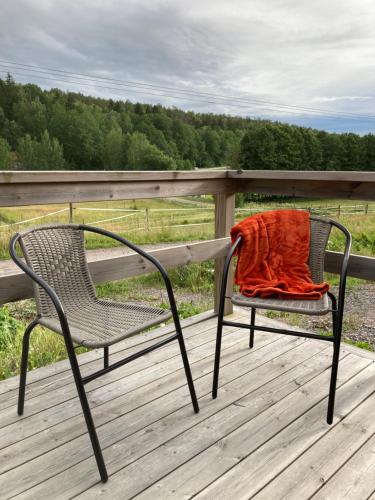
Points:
(54, 187)
(57, 176)
(305, 175)
(37, 176)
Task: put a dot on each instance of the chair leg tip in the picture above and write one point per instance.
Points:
(214, 394)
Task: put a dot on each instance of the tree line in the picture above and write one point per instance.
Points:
(52, 129)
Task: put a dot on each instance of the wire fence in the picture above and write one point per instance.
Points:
(152, 219)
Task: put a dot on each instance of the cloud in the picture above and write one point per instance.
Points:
(307, 54)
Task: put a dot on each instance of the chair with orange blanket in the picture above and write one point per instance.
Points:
(280, 267)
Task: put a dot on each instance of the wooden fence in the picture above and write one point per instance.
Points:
(34, 188)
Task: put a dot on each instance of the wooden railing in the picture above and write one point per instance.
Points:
(41, 188)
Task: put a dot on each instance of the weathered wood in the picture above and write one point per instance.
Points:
(245, 470)
(15, 285)
(133, 410)
(137, 445)
(359, 266)
(224, 220)
(188, 450)
(27, 188)
(345, 185)
(86, 176)
(328, 455)
(64, 192)
(268, 411)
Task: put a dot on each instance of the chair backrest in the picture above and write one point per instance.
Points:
(57, 254)
(320, 229)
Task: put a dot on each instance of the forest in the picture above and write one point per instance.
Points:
(54, 130)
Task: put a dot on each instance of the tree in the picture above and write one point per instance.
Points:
(258, 149)
(5, 156)
(113, 150)
(44, 155)
(31, 117)
(142, 155)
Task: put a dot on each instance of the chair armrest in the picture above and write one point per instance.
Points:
(224, 279)
(43, 284)
(141, 252)
(344, 264)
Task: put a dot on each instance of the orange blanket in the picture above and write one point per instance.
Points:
(273, 256)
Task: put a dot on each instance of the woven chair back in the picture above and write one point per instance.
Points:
(57, 254)
(320, 229)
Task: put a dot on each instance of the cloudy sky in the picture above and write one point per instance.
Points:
(303, 62)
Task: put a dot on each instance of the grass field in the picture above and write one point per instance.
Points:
(146, 222)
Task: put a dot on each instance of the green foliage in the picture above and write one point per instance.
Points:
(5, 156)
(46, 154)
(8, 329)
(113, 150)
(100, 133)
(142, 155)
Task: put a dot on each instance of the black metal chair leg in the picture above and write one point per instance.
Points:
(332, 387)
(336, 322)
(106, 357)
(23, 371)
(188, 374)
(252, 323)
(217, 356)
(86, 411)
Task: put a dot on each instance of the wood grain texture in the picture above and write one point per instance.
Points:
(224, 221)
(269, 415)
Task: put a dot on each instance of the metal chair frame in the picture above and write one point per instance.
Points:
(78, 379)
(337, 310)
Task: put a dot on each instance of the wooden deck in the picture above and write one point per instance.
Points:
(264, 437)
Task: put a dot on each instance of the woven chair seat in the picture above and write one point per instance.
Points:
(101, 323)
(310, 307)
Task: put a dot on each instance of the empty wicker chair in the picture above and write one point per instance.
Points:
(68, 305)
(320, 229)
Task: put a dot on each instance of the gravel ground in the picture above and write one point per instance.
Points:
(359, 316)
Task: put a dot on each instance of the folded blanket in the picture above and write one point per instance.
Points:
(273, 256)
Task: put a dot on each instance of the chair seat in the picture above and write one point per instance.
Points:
(101, 323)
(311, 307)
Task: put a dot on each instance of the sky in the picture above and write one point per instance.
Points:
(305, 62)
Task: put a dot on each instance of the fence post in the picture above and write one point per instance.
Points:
(224, 220)
(70, 213)
(366, 209)
(147, 220)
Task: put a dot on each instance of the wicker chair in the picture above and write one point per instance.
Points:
(68, 305)
(320, 229)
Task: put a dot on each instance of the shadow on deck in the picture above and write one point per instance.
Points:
(265, 436)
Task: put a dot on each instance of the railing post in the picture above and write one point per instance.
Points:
(70, 213)
(224, 220)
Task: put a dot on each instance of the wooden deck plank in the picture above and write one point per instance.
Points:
(236, 445)
(266, 427)
(126, 427)
(355, 480)
(225, 421)
(258, 468)
(64, 422)
(320, 462)
(67, 405)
